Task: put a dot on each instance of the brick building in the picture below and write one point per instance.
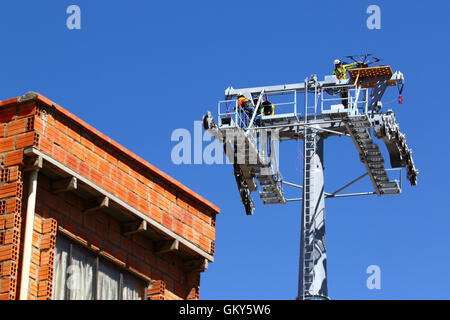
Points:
(81, 217)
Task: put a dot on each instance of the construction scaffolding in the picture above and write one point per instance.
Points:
(350, 107)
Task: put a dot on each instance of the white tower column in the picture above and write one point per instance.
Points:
(313, 258)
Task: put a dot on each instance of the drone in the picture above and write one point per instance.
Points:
(364, 60)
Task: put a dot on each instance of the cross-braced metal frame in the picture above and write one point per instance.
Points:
(332, 107)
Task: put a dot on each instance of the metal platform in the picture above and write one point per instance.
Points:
(330, 107)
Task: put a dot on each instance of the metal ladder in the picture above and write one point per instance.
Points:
(308, 197)
(308, 212)
(267, 175)
(370, 155)
(269, 180)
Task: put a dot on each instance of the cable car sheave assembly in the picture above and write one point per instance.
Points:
(250, 137)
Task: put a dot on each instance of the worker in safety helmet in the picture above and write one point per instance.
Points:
(268, 108)
(340, 71)
(245, 107)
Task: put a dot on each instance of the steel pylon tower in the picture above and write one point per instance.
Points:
(250, 141)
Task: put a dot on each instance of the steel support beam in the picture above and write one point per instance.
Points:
(313, 259)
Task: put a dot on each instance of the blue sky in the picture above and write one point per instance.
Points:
(137, 70)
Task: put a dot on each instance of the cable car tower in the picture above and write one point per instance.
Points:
(332, 107)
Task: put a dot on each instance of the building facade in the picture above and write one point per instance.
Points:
(81, 217)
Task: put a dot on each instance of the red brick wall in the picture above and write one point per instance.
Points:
(101, 233)
(42, 259)
(117, 171)
(15, 134)
(75, 144)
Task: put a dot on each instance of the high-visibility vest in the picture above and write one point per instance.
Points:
(341, 72)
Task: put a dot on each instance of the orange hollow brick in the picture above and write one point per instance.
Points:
(121, 192)
(71, 162)
(96, 177)
(144, 206)
(153, 197)
(10, 190)
(7, 284)
(141, 190)
(163, 203)
(10, 221)
(189, 234)
(132, 199)
(13, 206)
(79, 151)
(198, 224)
(33, 271)
(129, 182)
(155, 213)
(45, 273)
(104, 167)
(37, 224)
(7, 144)
(92, 159)
(167, 221)
(8, 252)
(14, 174)
(26, 140)
(83, 169)
(204, 243)
(59, 154)
(53, 134)
(45, 145)
(108, 184)
(45, 258)
(158, 287)
(176, 211)
(16, 127)
(209, 232)
(49, 225)
(38, 125)
(116, 174)
(187, 219)
(66, 143)
(178, 227)
(44, 289)
(10, 236)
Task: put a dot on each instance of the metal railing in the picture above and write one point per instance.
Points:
(322, 100)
